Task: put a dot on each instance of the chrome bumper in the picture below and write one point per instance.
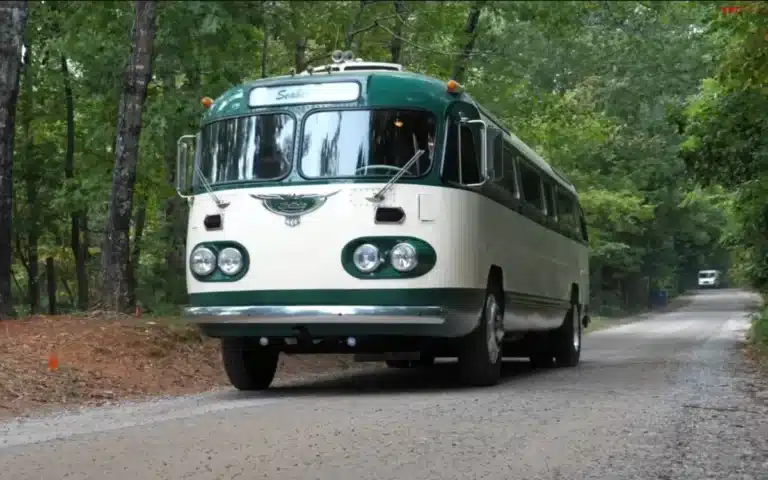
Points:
(317, 314)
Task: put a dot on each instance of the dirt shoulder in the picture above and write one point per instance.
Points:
(48, 363)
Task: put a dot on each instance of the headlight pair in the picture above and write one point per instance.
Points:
(204, 261)
(367, 257)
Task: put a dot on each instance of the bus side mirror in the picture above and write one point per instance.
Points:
(184, 145)
(487, 169)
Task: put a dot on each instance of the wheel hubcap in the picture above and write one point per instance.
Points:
(494, 328)
(576, 330)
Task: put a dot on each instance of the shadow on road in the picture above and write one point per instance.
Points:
(441, 377)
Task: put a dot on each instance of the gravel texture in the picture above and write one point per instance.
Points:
(667, 397)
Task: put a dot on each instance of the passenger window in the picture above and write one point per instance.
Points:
(565, 212)
(583, 224)
(462, 160)
(510, 178)
(549, 199)
(530, 184)
(496, 153)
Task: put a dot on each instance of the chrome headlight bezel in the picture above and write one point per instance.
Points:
(409, 251)
(230, 253)
(371, 251)
(207, 252)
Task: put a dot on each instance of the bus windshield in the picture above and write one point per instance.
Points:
(366, 143)
(258, 147)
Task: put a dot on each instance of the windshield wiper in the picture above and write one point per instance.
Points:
(380, 194)
(207, 187)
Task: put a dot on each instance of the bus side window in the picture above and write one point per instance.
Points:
(530, 184)
(583, 224)
(462, 162)
(496, 153)
(470, 158)
(565, 212)
(549, 199)
(510, 178)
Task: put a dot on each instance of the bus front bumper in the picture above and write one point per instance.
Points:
(324, 320)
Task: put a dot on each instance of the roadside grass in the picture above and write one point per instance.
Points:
(758, 336)
(599, 323)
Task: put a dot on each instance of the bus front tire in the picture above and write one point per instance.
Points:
(249, 366)
(480, 358)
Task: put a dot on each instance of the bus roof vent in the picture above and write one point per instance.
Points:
(346, 62)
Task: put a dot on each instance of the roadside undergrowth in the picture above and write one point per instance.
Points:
(758, 335)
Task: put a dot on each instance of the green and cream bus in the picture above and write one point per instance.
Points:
(359, 208)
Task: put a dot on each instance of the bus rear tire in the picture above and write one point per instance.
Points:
(560, 347)
(480, 357)
(566, 340)
(248, 365)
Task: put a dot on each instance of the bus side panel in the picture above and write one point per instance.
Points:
(539, 265)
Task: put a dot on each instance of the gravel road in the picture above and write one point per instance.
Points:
(666, 397)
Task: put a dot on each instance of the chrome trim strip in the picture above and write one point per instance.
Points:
(314, 314)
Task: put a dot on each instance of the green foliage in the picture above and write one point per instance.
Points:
(598, 88)
(758, 334)
(726, 125)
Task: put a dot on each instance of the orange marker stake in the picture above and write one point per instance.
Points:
(53, 362)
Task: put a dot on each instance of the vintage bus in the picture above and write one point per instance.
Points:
(360, 208)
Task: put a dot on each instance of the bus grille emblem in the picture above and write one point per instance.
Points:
(293, 206)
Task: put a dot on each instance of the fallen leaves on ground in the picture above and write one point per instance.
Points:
(99, 359)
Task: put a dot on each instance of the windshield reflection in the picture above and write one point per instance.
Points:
(365, 143)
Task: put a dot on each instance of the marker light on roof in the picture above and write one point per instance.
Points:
(206, 102)
(453, 86)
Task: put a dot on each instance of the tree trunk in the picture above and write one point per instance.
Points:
(300, 62)
(471, 31)
(32, 185)
(75, 218)
(133, 263)
(174, 235)
(50, 277)
(13, 22)
(349, 40)
(116, 247)
(300, 55)
(176, 209)
(265, 45)
(84, 281)
(396, 44)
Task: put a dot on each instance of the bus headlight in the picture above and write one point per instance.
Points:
(230, 261)
(202, 261)
(403, 257)
(366, 258)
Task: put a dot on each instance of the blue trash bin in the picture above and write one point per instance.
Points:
(663, 297)
(659, 298)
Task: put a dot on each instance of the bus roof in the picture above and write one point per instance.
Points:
(382, 87)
